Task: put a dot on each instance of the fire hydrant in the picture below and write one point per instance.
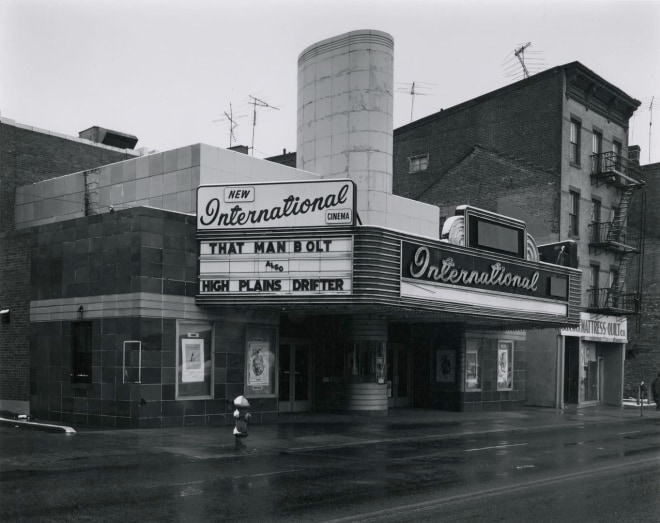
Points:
(242, 416)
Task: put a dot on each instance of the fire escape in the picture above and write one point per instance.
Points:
(617, 237)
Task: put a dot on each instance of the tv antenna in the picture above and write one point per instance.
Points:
(520, 54)
(414, 89)
(650, 124)
(231, 118)
(256, 102)
(520, 58)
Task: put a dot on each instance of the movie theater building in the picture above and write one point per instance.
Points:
(186, 278)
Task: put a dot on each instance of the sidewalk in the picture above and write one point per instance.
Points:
(312, 431)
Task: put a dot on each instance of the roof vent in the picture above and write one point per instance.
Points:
(109, 137)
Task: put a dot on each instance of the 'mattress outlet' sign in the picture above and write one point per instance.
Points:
(436, 274)
(315, 203)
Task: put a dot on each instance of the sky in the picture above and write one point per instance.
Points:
(170, 71)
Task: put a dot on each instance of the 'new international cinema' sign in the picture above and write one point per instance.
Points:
(269, 264)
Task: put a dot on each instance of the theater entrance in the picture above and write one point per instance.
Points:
(294, 385)
(398, 374)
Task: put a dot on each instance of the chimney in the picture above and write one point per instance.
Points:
(243, 149)
(109, 137)
(634, 154)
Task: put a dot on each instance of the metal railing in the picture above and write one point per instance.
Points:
(606, 233)
(608, 162)
(612, 301)
(608, 165)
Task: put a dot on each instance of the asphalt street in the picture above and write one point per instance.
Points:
(541, 465)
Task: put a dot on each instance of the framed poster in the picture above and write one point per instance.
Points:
(192, 360)
(504, 365)
(259, 362)
(473, 365)
(260, 373)
(445, 366)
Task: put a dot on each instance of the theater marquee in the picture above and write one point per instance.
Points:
(283, 266)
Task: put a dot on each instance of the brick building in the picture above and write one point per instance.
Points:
(643, 351)
(551, 150)
(30, 155)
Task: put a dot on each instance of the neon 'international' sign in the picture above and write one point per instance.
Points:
(447, 272)
(438, 266)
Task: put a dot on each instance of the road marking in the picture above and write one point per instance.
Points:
(631, 432)
(497, 447)
(390, 513)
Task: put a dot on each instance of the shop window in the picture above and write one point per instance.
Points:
(473, 365)
(418, 163)
(194, 360)
(505, 365)
(81, 352)
(574, 150)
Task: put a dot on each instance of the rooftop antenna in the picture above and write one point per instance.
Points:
(650, 124)
(231, 118)
(520, 54)
(519, 58)
(260, 103)
(413, 90)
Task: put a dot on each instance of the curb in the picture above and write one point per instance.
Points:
(48, 427)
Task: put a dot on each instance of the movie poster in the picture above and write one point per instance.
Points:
(445, 370)
(258, 364)
(192, 368)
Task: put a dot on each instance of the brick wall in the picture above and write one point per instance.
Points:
(643, 350)
(27, 156)
(522, 121)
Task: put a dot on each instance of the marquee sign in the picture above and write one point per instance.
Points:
(437, 274)
(316, 203)
(291, 266)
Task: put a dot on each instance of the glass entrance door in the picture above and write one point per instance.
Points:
(571, 369)
(294, 377)
(398, 372)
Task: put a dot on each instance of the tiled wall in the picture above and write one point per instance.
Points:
(166, 180)
(116, 265)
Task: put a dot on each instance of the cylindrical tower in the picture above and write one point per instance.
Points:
(345, 110)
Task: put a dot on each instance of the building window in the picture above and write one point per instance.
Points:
(81, 352)
(596, 150)
(616, 149)
(418, 163)
(576, 129)
(504, 365)
(573, 213)
(594, 284)
(595, 220)
(614, 287)
(473, 365)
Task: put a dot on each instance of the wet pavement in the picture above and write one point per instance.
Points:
(318, 467)
(306, 431)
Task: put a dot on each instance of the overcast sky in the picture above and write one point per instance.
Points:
(167, 71)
